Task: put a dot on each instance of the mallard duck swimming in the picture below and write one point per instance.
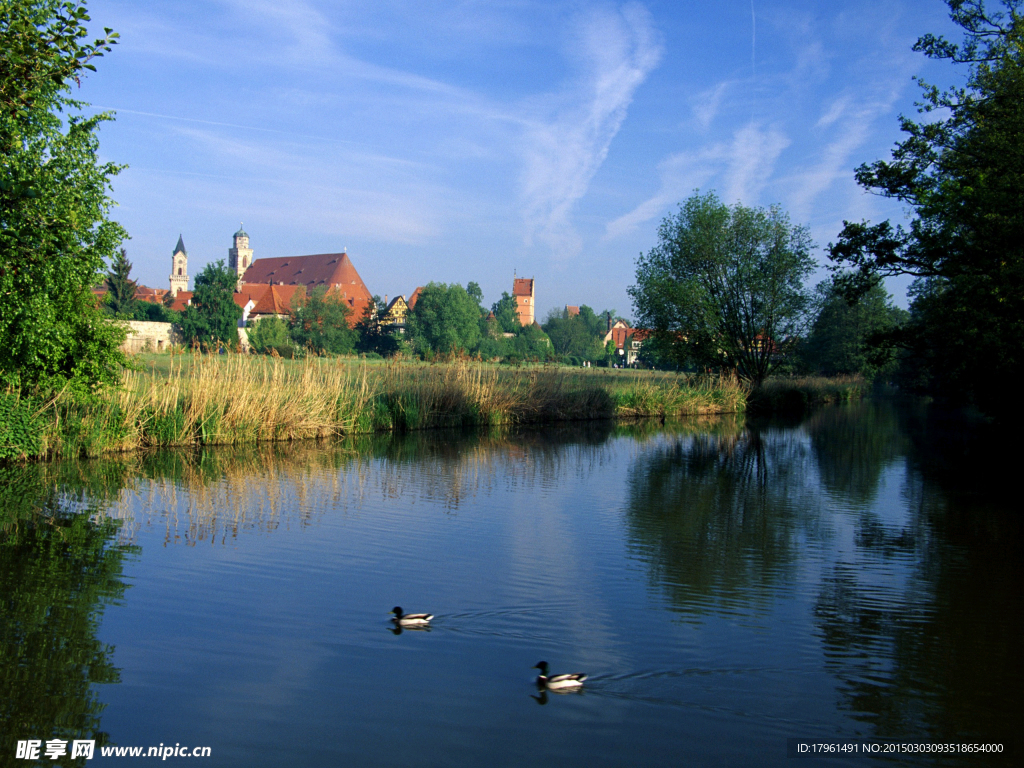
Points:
(558, 682)
(410, 619)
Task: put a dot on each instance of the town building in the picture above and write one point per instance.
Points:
(523, 291)
(393, 318)
(628, 341)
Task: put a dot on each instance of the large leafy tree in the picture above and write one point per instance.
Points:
(576, 336)
(54, 230)
(850, 338)
(445, 319)
(961, 171)
(320, 323)
(725, 285)
(212, 317)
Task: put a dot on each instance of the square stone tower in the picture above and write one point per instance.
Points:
(240, 256)
(179, 268)
(522, 289)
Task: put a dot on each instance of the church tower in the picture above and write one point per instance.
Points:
(179, 268)
(240, 256)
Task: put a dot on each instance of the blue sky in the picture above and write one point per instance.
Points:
(458, 141)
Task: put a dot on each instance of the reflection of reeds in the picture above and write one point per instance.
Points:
(233, 399)
(214, 495)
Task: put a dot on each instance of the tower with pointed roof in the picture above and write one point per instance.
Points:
(179, 268)
(240, 255)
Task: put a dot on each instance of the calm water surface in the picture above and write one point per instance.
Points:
(726, 584)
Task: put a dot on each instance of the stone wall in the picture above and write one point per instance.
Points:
(159, 337)
(150, 337)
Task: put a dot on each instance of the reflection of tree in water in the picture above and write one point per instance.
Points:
(852, 446)
(715, 515)
(922, 626)
(58, 569)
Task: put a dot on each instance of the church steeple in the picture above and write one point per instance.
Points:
(240, 255)
(179, 268)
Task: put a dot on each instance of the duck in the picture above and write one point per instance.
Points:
(410, 619)
(568, 682)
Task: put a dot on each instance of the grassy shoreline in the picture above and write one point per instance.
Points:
(235, 400)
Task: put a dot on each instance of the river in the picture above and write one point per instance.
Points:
(728, 585)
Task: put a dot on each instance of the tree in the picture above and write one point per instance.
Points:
(120, 297)
(373, 336)
(575, 336)
(849, 338)
(446, 319)
(320, 323)
(506, 314)
(270, 333)
(54, 230)
(212, 317)
(724, 285)
(961, 171)
(147, 311)
(476, 294)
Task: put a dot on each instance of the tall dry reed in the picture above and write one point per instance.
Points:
(235, 399)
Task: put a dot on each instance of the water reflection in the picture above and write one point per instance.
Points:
(833, 576)
(715, 516)
(853, 445)
(59, 569)
(922, 625)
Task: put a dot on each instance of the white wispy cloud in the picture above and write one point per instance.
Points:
(708, 103)
(752, 157)
(617, 51)
(680, 174)
(743, 168)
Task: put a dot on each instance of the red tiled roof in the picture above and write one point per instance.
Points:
(277, 300)
(181, 300)
(571, 311)
(152, 295)
(334, 271)
(415, 297)
(522, 286)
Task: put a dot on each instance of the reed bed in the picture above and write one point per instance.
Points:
(794, 394)
(232, 400)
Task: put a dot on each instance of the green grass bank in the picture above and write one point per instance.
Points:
(190, 399)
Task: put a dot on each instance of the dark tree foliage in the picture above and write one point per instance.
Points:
(505, 313)
(961, 170)
(59, 569)
(852, 338)
(147, 311)
(373, 337)
(212, 318)
(578, 337)
(54, 231)
(724, 287)
(120, 297)
(445, 320)
(320, 323)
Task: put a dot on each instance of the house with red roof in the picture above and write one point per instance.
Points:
(627, 341)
